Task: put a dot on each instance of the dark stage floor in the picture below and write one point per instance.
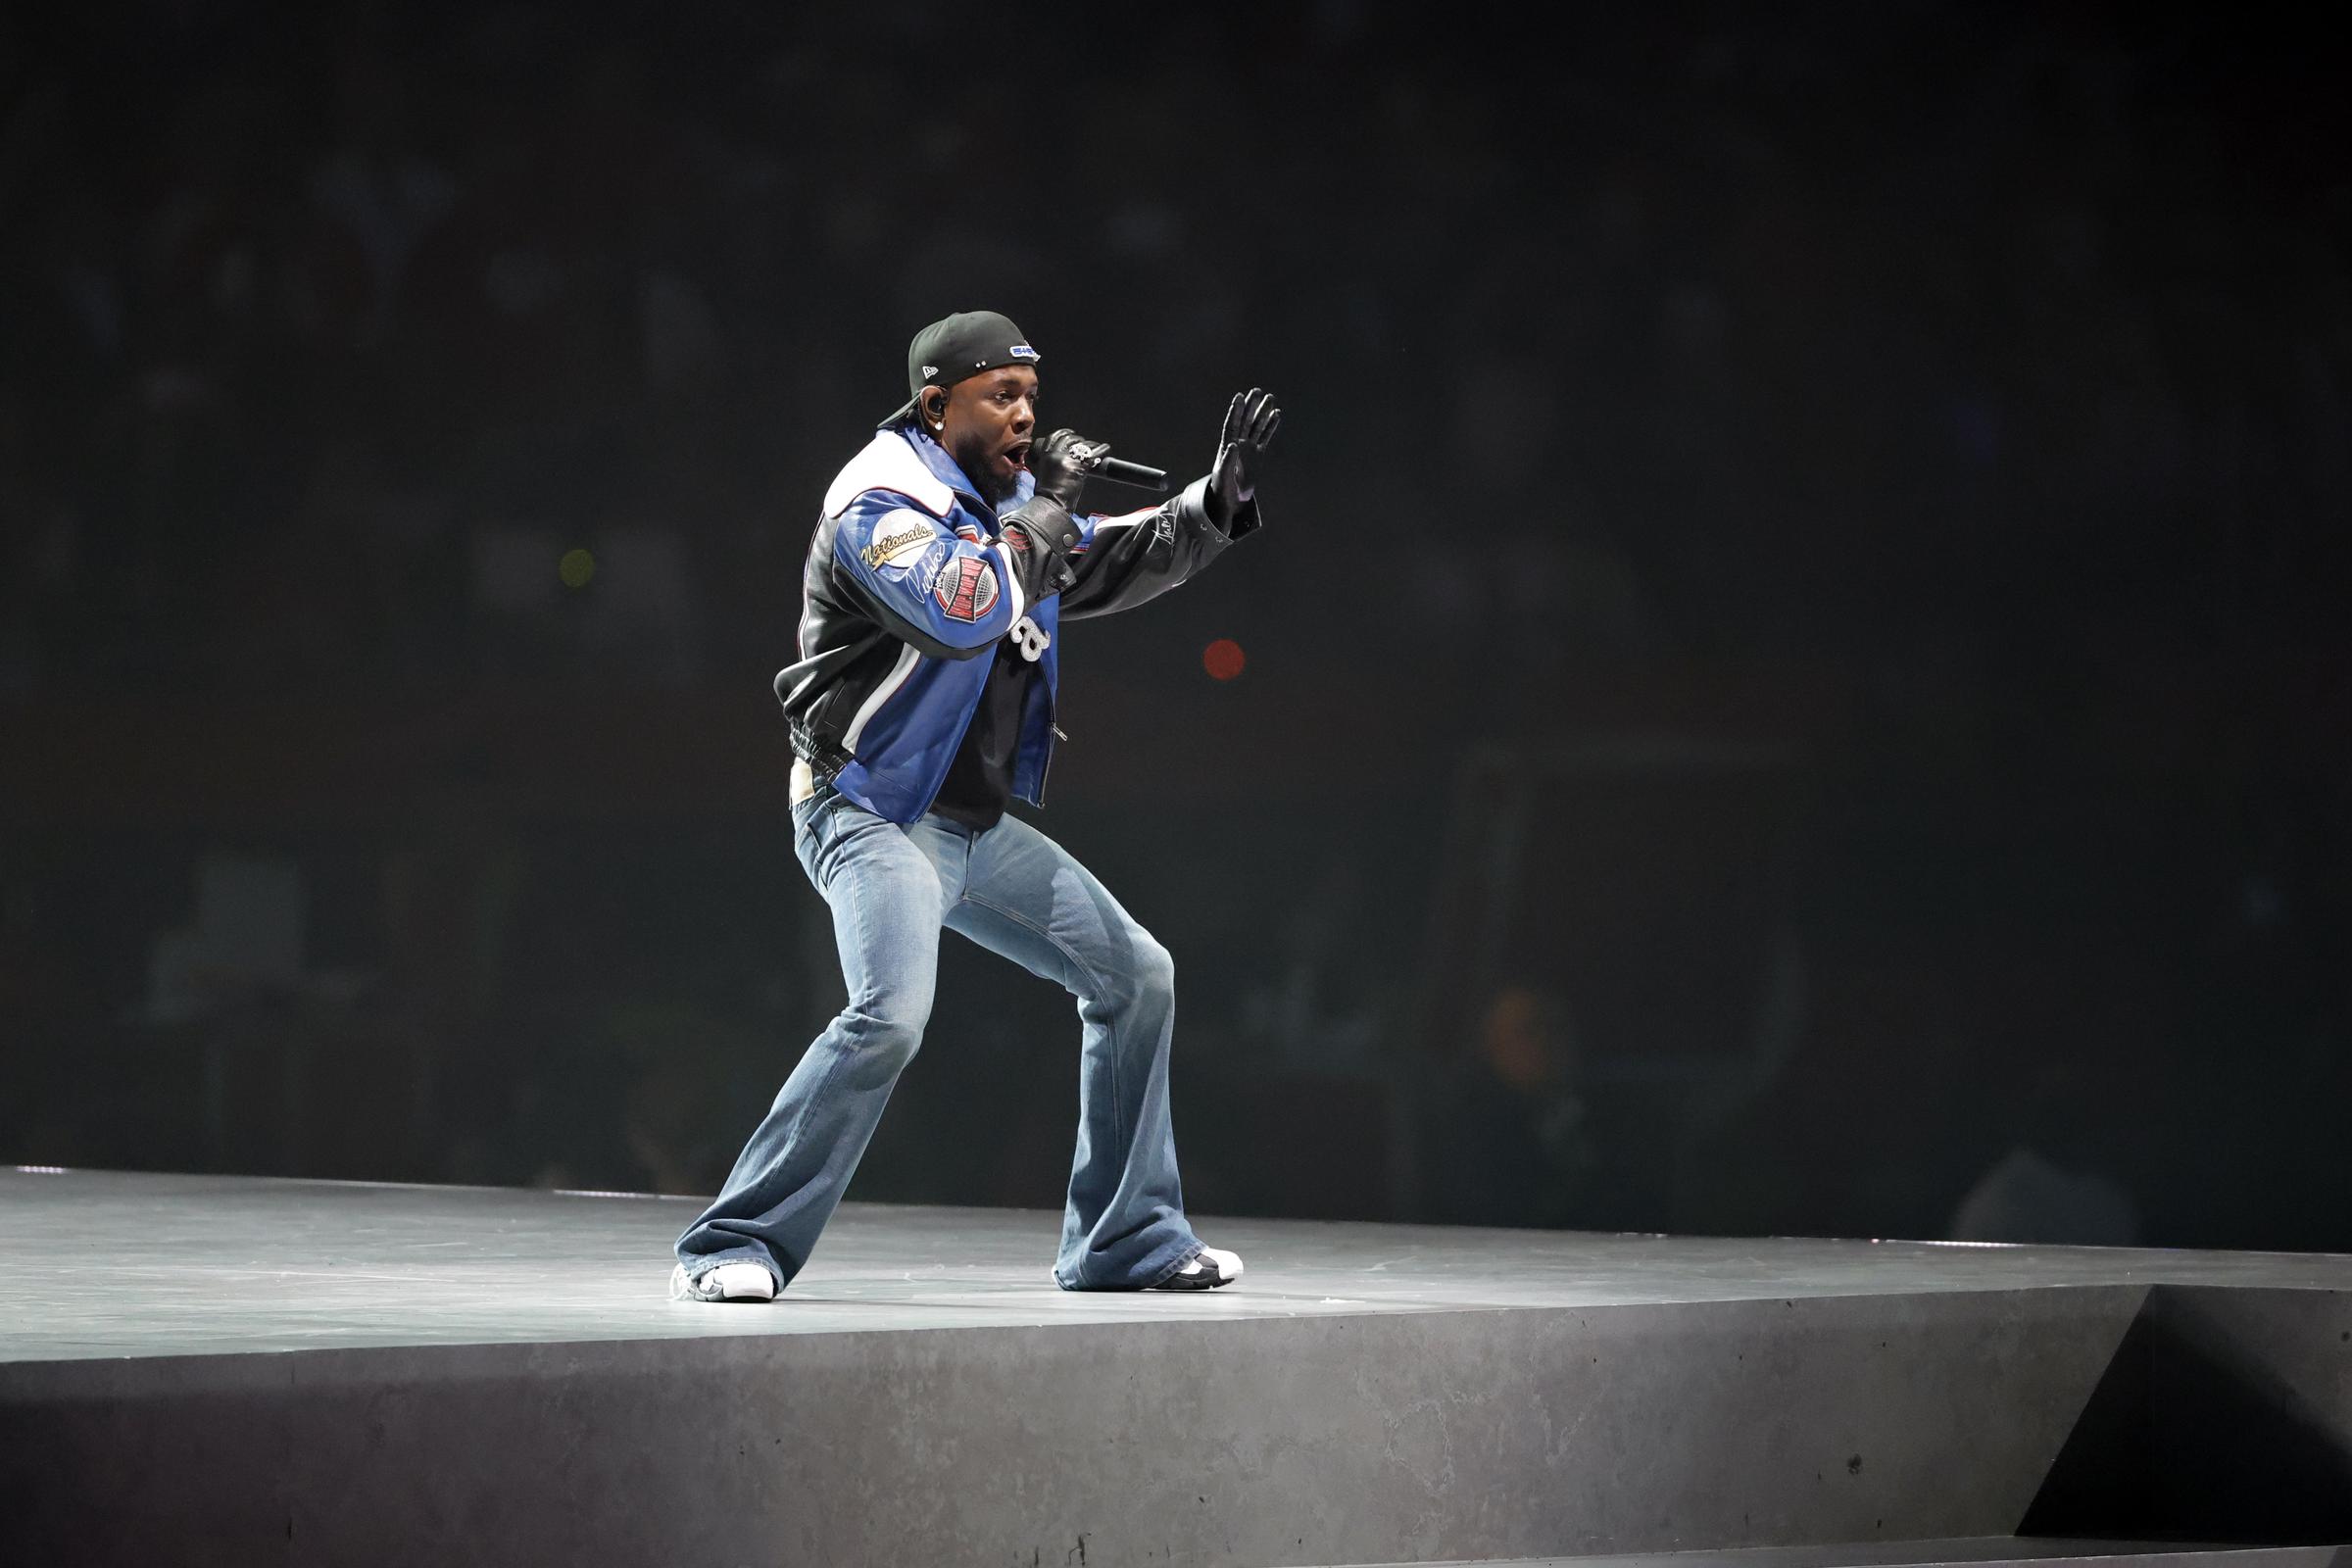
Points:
(97, 1263)
(205, 1370)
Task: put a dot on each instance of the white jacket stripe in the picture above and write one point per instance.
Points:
(878, 696)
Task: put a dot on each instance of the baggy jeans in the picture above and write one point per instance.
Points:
(1016, 893)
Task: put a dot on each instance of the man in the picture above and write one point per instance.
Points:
(923, 701)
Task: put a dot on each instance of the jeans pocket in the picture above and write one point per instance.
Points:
(839, 829)
(808, 825)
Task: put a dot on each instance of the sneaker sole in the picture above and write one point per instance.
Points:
(682, 1289)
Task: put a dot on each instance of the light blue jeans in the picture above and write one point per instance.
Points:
(1016, 893)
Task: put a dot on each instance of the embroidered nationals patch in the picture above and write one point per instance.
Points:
(901, 537)
(964, 589)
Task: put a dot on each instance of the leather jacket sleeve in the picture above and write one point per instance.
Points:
(1126, 561)
(949, 597)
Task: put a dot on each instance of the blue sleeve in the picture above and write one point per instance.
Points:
(950, 596)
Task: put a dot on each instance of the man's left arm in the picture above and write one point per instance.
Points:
(1126, 561)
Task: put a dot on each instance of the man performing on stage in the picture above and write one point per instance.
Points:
(923, 701)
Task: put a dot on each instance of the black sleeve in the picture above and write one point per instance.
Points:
(1125, 560)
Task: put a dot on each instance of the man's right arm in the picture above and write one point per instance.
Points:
(947, 595)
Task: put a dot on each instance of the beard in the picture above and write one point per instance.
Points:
(974, 458)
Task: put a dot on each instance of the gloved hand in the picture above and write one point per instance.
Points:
(1059, 464)
(1249, 423)
(1039, 537)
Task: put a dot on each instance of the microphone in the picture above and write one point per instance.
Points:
(1119, 470)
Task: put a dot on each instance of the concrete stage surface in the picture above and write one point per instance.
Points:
(208, 1369)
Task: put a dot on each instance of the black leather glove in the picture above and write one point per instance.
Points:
(1039, 537)
(1060, 463)
(1249, 423)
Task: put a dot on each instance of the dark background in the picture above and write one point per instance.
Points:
(1796, 672)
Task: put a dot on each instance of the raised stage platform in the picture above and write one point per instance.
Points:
(261, 1372)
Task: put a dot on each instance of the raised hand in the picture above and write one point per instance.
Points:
(1249, 423)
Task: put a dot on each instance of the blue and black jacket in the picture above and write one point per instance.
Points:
(909, 582)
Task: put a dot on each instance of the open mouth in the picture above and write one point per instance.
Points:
(1018, 454)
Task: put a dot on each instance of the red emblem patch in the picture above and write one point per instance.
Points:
(964, 589)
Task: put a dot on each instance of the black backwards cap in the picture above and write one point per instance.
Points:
(962, 345)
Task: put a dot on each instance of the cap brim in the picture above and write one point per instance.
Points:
(906, 411)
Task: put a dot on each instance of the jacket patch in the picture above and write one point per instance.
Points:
(899, 545)
(964, 589)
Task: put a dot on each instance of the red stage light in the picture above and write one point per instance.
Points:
(1223, 659)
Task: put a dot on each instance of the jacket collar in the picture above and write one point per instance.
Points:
(947, 472)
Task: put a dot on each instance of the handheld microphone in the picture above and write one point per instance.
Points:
(1120, 471)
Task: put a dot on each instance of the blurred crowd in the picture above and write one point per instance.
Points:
(1964, 403)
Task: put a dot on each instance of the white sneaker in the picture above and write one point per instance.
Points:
(1205, 1270)
(728, 1282)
